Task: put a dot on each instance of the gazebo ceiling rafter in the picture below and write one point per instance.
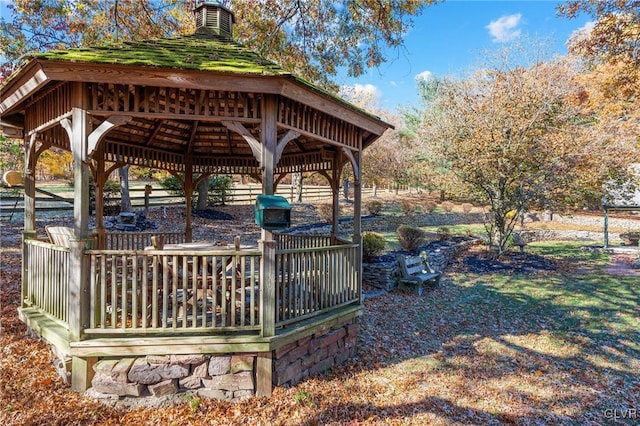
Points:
(200, 122)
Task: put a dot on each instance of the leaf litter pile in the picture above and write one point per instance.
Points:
(535, 339)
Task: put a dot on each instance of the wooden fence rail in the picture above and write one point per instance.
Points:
(11, 205)
(47, 279)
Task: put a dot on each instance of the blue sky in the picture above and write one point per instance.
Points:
(448, 39)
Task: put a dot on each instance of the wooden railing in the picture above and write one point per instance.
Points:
(294, 241)
(146, 292)
(313, 281)
(173, 290)
(138, 240)
(46, 280)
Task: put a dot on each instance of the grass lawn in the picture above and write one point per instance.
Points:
(559, 346)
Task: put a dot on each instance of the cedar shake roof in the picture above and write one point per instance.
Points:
(196, 52)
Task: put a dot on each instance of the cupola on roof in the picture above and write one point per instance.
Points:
(215, 19)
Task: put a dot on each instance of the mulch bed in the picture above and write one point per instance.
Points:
(479, 261)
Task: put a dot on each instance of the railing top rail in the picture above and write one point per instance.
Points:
(177, 252)
(144, 233)
(314, 249)
(46, 244)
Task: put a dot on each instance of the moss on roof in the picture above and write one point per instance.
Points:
(196, 52)
(200, 51)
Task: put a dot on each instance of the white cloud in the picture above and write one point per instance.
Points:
(361, 94)
(505, 28)
(583, 31)
(424, 75)
(361, 90)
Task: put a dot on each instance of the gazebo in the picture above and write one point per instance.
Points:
(130, 317)
(621, 198)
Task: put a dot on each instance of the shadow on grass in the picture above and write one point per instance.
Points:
(572, 340)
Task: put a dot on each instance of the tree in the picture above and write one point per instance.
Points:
(614, 38)
(58, 24)
(313, 38)
(436, 171)
(203, 194)
(611, 48)
(11, 157)
(507, 133)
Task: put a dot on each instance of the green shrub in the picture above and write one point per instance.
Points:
(372, 244)
(219, 190)
(374, 207)
(447, 206)
(409, 237)
(428, 206)
(172, 185)
(444, 233)
(407, 206)
(218, 193)
(326, 212)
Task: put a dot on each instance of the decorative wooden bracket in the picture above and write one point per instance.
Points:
(30, 153)
(288, 137)
(254, 144)
(66, 125)
(354, 163)
(96, 136)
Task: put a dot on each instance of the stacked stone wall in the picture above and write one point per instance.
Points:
(227, 377)
(385, 274)
(314, 354)
(224, 377)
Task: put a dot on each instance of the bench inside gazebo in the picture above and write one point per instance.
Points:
(133, 316)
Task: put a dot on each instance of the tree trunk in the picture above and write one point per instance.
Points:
(203, 194)
(296, 180)
(125, 198)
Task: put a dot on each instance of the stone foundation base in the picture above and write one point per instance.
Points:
(314, 354)
(227, 377)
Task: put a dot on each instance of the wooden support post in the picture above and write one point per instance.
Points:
(188, 194)
(82, 373)
(269, 131)
(98, 183)
(268, 287)
(606, 228)
(26, 235)
(79, 294)
(264, 374)
(357, 227)
(31, 158)
(78, 131)
(30, 199)
(269, 135)
(335, 199)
